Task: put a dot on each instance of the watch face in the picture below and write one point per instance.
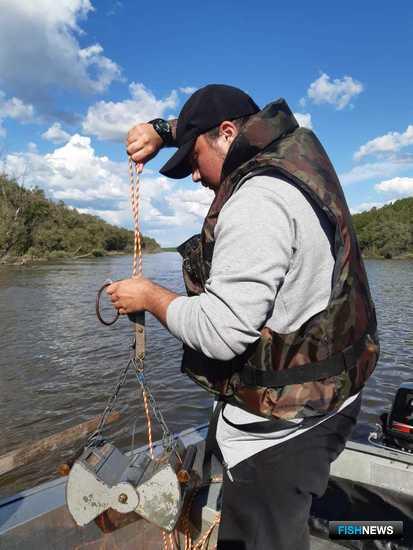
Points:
(163, 129)
(163, 126)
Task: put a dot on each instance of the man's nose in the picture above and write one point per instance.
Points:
(196, 176)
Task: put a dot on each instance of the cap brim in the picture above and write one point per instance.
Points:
(178, 165)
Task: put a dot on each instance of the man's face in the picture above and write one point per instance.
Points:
(206, 162)
(207, 157)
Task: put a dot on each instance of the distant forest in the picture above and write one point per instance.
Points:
(33, 227)
(386, 232)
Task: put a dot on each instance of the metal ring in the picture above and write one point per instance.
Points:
(98, 315)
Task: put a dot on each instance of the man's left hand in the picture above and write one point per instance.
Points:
(141, 294)
(129, 295)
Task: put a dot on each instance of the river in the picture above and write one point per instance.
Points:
(58, 364)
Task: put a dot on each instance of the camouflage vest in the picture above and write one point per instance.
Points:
(313, 370)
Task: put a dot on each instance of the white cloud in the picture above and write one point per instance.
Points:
(186, 208)
(304, 119)
(337, 92)
(115, 6)
(107, 69)
(32, 147)
(189, 90)
(14, 108)
(110, 120)
(40, 51)
(73, 171)
(366, 206)
(192, 203)
(56, 134)
(401, 186)
(375, 170)
(389, 143)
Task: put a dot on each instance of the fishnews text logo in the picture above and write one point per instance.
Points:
(366, 529)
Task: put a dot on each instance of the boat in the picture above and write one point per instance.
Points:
(370, 480)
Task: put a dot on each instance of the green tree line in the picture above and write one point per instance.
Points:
(33, 227)
(386, 232)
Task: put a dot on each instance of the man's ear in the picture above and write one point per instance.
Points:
(228, 130)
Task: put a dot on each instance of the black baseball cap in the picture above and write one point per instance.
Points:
(204, 110)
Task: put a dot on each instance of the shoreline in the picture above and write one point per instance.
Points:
(29, 261)
(408, 256)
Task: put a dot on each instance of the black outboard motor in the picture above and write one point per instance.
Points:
(397, 425)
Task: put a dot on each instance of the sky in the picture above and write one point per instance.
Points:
(76, 75)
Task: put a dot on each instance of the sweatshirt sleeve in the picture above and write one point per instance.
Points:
(254, 239)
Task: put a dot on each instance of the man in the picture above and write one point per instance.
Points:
(279, 324)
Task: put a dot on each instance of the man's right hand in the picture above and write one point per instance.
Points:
(143, 143)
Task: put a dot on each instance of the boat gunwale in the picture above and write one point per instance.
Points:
(189, 436)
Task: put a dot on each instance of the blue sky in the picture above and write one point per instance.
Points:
(76, 74)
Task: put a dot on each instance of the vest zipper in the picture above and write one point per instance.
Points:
(228, 471)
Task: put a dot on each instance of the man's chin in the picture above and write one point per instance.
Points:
(209, 186)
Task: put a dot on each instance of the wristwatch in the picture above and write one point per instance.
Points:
(163, 129)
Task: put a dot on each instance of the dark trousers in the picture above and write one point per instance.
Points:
(267, 506)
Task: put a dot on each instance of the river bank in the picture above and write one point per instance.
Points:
(27, 260)
(30, 260)
(407, 256)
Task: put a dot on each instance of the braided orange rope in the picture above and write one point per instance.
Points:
(134, 196)
(203, 542)
(137, 268)
(148, 423)
(165, 541)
